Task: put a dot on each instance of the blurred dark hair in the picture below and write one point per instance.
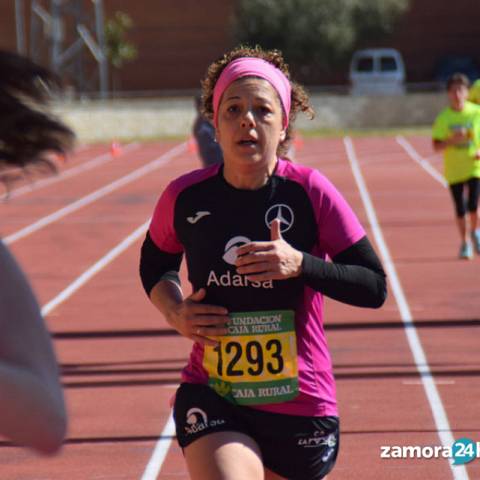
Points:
(458, 79)
(28, 132)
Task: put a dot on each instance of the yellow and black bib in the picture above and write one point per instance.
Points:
(256, 363)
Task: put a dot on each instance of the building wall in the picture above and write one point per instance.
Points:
(173, 116)
(433, 28)
(8, 39)
(177, 39)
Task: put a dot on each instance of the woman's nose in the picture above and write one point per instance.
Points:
(248, 119)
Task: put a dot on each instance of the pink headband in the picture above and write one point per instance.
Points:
(255, 67)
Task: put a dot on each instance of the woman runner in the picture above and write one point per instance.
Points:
(258, 396)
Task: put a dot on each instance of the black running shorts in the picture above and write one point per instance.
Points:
(294, 447)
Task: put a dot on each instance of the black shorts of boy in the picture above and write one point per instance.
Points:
(294, 447)
(457, 191)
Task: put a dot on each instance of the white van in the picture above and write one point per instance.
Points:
(377, 71)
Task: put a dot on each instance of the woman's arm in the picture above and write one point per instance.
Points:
(190, 317)
(32, 408)
(355, 276)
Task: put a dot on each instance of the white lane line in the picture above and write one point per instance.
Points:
(94, 196)
(71, 172)
(439, 415)
(163, 443)
(94, 269)
(437, 382)
(424, 163)
(160, 451)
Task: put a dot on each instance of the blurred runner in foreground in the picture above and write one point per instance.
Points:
(32, 408)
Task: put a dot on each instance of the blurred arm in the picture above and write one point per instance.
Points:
(32, 409)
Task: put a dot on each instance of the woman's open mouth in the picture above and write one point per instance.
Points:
(250, 142)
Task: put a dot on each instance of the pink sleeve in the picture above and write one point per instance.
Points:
(162, 230)
(338, 226)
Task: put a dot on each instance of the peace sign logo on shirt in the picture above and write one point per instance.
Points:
(283, 212)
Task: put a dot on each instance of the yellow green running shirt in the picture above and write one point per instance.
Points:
(459, 161)
(474, 93)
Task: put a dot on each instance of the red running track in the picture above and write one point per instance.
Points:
(121, 361)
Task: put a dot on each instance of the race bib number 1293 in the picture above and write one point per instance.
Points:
(256, 362)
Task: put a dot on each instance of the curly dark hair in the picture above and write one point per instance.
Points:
(27, 131)
(299, 99)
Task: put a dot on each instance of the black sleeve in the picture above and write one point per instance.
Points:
(156, 265)
(355, 276)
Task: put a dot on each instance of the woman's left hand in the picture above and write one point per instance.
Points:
(274, 260)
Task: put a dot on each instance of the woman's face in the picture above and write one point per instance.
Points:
(250, 123)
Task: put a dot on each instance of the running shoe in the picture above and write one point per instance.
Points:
(476, 240)
(466, 251)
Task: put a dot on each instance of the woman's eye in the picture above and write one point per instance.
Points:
(265, 110)
(232, 108)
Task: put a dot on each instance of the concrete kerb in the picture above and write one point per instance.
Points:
(102, 120)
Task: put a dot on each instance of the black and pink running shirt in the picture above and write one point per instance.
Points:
(276, 356)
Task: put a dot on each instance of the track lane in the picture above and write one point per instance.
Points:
(370, 357)
(46, 207)
(373, 365)
(76, 162)
(125, 366)
(442, 290)
(371, 360)
(81, 238)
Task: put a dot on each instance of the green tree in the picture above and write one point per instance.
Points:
(377, 18)
(315, 35)
(118, 49)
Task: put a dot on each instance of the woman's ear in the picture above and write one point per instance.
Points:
(283, 135)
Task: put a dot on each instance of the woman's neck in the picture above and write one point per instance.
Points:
(250, 177)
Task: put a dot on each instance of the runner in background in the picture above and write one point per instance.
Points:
(474, 92)
(258, 394)
(204, 133)
(456, 133)
(32, 408)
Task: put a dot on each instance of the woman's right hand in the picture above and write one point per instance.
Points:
(199, 321)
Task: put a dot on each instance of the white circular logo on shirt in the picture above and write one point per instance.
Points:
(283, 212)
(231, 247)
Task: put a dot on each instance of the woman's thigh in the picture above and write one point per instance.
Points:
(225, 456)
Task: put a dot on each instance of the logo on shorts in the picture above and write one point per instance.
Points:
(197, 421)
(318, 439)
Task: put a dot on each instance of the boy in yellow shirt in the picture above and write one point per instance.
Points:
(456, 132)
(474, 93)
